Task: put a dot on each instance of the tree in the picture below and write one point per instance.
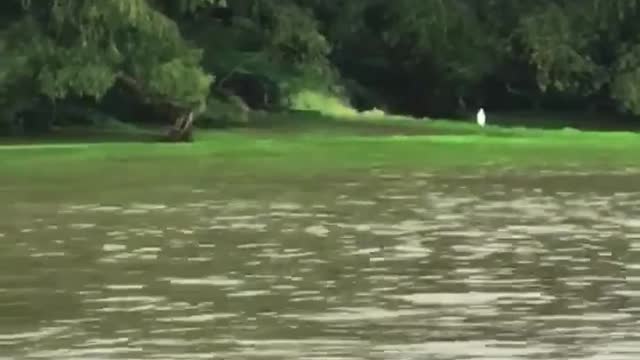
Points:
(423, 55)
(61, 48)
(433, 56)
(586, 49)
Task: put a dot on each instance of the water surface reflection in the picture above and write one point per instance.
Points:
(394, 267)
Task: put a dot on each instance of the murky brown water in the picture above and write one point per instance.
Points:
(380, 267)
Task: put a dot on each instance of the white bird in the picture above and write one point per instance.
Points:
(481, 118)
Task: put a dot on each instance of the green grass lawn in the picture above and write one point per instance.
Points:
(308, 145)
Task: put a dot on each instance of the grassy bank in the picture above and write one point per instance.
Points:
(310, 146)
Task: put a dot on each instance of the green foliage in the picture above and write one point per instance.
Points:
(432, 55)
(219, 113)
(190, 6)
(88, 45)
(291, 33)
(586, 48)
(423, 57)
(626, 82)
(560, 51)
(181, 80)
(321, 102)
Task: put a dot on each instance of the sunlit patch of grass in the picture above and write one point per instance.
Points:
(332, 106)
(306, 100)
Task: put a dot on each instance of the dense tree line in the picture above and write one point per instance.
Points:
(187, 58)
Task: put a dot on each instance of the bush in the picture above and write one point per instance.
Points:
(324, 103)
(255, 90)
(223, 113)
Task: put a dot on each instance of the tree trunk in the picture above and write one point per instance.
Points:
(182, 130)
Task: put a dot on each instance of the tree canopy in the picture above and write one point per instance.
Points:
(423, 57)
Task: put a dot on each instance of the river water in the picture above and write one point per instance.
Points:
(382, 266)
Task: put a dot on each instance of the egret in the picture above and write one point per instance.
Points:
(481, 118)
